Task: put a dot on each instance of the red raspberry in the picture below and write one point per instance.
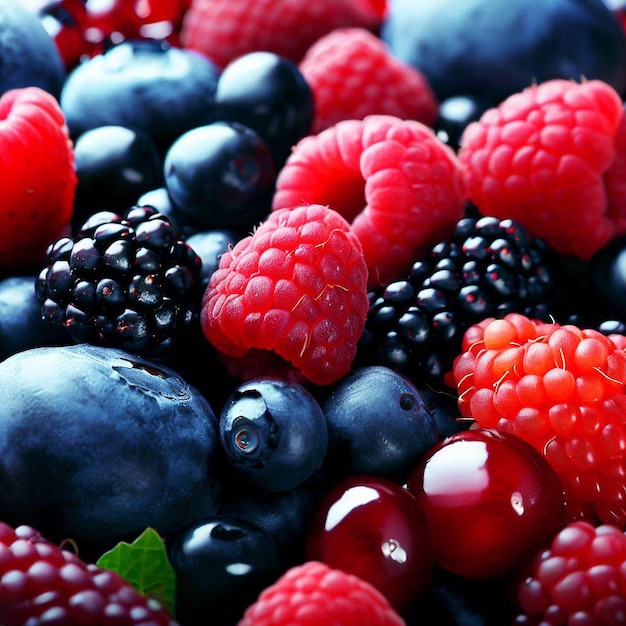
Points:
(579, 579)
(290, 299)
(225, 30)
(544, 157)
(37, 176)
(41, 583)
(395, 180)
(313, 593)
(561, 388)
(353, 74)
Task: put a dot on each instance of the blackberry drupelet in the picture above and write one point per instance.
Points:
(489, 267)
(126, 281)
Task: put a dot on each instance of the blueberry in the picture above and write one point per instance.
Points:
(28, 55)
(284, 515)
(508, 46)
(378, 423)
(268, 93)
(115, 165)
(150, 85)
(220, 175)
(455, 113)
(209, 245)
(221, 565)
(97, 444)
(273, 433)
(21, 325)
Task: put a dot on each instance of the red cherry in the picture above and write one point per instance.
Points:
(373, 528)
(490, 500)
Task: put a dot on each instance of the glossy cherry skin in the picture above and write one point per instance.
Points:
(373, 528)
(489, 499)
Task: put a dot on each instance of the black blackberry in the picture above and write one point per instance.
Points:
(126, 281)
(490, 267)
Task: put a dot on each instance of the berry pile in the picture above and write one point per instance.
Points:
(326, 299)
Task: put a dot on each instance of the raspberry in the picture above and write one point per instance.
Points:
(560, 388)
(38, 179)
(41, 583)
(352, 74)
(313, 593)
(579, 579)
(290, 299)
(225, 30)
(544, 157)
(395, 180)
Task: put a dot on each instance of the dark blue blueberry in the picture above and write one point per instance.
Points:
(455, 113)
(497, 48)
(147, 85)
(21, 325)
(96, 444)
(220, 175)
(378, 423)
(209, 245)
(221, 565)
(273, 433)
(115, 166)
(268, 93)
(284, 515)
(28, 55)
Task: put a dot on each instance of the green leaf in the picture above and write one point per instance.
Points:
(145, 565)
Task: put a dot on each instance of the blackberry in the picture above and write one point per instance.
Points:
(125, 280)
(489, 267)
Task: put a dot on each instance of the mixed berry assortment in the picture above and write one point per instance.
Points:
(330, 296)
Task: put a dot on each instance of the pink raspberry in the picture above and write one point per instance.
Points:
(353, 74)
(552, 157)
(313, 593)
(225, 30)
(397, 183)
(290, 299)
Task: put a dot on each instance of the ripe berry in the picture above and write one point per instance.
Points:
(398, 185)
(224, 32)
(220, 563)
(38, 179)
(374, 528)
(161, 89)
(220, 175)
(379, 424)
(560, 388)
(578, 579)
(312, 592)
(269, 94)
(519, 161)
(273, 433)
(489, 267)
(115, 165)
(352, 75)
(41, 583)
(289, 300)
(124, 280)
(488, 498)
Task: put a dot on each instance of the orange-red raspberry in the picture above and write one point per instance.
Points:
(562, 389)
